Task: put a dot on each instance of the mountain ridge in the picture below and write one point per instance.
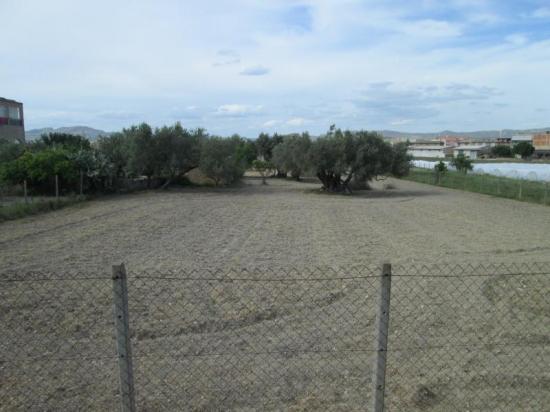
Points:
(84, 131)
(92, 133)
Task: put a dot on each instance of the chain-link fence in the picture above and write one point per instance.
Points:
(460, 338)
(469, 338)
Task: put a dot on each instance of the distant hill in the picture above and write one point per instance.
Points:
(482, 134)
(84, 131)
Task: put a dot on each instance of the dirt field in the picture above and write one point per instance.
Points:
(282, 224)
(475, 343)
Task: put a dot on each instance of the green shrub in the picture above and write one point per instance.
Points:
(501, 151)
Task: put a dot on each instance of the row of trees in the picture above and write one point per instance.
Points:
(522, 149)
(340, 159)
(165, 153)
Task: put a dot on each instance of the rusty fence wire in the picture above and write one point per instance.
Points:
(460, 337)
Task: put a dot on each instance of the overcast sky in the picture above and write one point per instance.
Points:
(245, 66)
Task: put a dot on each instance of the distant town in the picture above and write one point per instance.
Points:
(437, 147)
(451, 146)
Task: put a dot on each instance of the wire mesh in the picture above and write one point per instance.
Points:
(56, 347)
(461, 337)
(253, 340)
(473, 338)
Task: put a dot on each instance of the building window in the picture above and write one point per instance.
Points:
(14, 113)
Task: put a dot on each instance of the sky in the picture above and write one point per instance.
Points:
(247, 66)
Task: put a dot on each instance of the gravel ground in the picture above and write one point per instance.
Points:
(466, 343)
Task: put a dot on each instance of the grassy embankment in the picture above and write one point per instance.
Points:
(18, 210)
(519, 189)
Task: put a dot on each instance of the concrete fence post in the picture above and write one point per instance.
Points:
(520, 189)
(382, 328)
(124, 348)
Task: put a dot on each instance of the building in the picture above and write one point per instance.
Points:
(522, 138)
(451, 140)
(541, 142)
(472, 151)
(12, 125)
(503, 141)
(429, 149)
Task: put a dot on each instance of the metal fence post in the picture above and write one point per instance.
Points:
(124, 349)
(382, 324)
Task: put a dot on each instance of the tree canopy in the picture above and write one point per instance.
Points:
(291, 155)
(220, 160)
(340, 156)
(462, 163)
(523, 149)
(501, 150)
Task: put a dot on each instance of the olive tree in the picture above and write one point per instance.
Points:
(291, 155)
(338, 157)
(143, 155)
(115, 150)
(177, 150)
(265, 145)
(220, 160)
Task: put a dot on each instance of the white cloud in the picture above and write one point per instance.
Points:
(517, 39)
(237, 109)
(319, 53)
(542, 13)
(296, 121)
(271, 123)
(227, 57)
(401, 122)
(432, 29)
(485, 18)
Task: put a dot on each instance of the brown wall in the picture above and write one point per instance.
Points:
(541, 141)
(12, 132)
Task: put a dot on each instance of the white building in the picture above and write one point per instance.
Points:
(522, 138)
(471, 151)
(435, 151)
